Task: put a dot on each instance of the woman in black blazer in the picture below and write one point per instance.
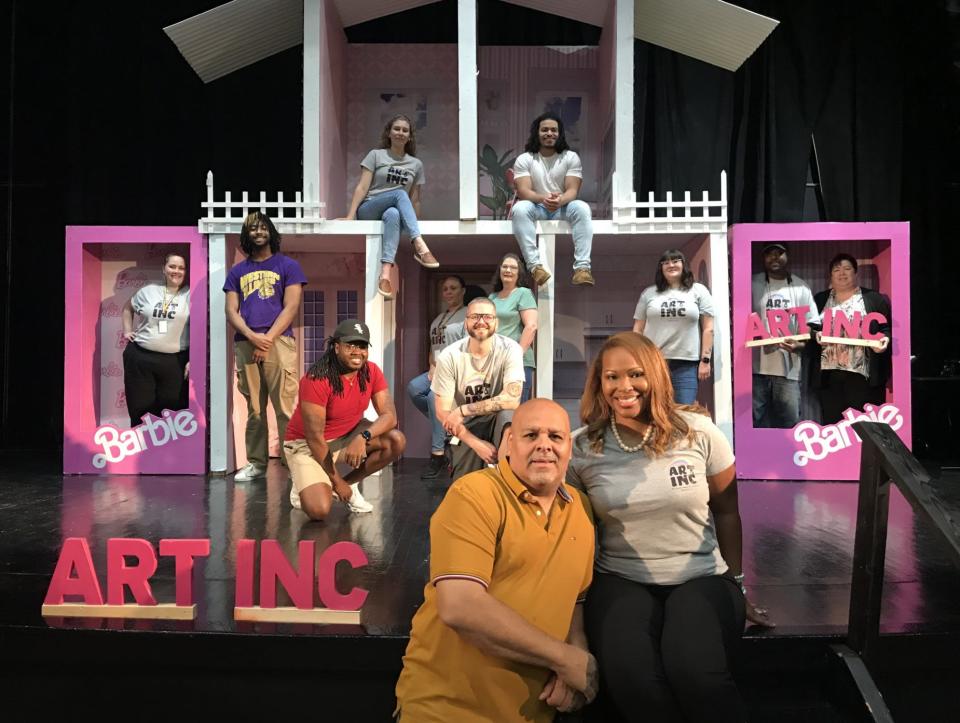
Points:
(850, 376)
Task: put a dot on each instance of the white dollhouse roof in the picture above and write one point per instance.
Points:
(239, 33)
(713, 31)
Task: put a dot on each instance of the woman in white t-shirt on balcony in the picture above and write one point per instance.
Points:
(156, 360)
(389, 190)
(676, 314)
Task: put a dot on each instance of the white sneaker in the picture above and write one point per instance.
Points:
(294, 496)
(356, 503)
(250, 472)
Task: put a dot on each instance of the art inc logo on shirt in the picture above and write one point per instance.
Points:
(398, 176)
(673, 308)
(476, 392)
(165, 312)
(682, 474)
(777, 301)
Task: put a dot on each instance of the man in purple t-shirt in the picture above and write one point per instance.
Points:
(263, 296)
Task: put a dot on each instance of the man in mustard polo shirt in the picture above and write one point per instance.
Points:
(500, 635)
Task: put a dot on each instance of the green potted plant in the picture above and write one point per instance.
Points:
(500, 171)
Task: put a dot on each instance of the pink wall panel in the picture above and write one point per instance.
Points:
(420, 81)
(514, 84)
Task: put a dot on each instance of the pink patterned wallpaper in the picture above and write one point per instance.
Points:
(420, 81)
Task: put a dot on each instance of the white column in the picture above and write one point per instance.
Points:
(623, 102)
(313, 35)
(722, 350)
(545, 305)
(379, 315)
(219, 422)
(467, 65)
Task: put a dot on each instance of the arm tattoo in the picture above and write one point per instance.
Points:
(505, 400)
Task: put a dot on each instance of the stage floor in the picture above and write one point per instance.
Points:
(798, 545)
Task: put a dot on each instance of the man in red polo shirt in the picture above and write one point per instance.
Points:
(328, 426)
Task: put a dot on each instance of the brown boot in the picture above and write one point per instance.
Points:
(582, 277)
(540, 275)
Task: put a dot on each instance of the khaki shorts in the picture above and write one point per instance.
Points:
(305, 470)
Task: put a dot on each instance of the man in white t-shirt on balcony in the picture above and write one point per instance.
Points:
(548, 178)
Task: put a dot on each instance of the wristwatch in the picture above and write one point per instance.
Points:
(705, 359)
(366, 435)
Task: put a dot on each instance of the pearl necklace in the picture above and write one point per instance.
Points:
(625, 448)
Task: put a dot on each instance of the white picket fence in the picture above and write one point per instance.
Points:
(672, 216)
(226, 216)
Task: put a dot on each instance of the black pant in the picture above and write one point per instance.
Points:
(489, 427)
(665, 651)
(841, 390)
(153, 381)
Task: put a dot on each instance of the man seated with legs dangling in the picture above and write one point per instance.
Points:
(548, 177)
(328, 426)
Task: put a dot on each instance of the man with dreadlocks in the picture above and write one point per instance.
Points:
(263, 297)
(328, 427)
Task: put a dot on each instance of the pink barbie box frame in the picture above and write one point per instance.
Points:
(810, 451)
(95, 440)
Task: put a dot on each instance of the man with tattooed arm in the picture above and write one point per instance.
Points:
(477, 383)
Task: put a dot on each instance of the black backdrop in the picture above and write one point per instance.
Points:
(105, 123)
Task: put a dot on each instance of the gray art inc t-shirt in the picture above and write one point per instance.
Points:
(153, 306)
(446, 328)
(673, 319)
(458, 377)
(653, 516)
(389, 173)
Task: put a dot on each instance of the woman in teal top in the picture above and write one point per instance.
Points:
(516, 312)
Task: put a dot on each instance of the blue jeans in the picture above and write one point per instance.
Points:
(776, 402)
(683, 375)
(396, 212)
(528, 375)
(525, 216)
(424, 400)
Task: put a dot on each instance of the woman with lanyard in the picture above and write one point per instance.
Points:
(676, 314)
(847, 376)
(446, 328)
(666, 608)
(516, 312)
(389, 190)
(156, 360)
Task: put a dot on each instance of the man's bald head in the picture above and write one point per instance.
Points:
(540, 445)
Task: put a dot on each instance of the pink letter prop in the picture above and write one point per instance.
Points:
(243, 595)
(183, 552)
(352, 553)
(136, 577)
(75, 554)
(297, 582)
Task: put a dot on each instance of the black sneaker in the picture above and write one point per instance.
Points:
(436, 466)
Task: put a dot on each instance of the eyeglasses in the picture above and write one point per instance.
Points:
(481, 317)
(355, 345)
